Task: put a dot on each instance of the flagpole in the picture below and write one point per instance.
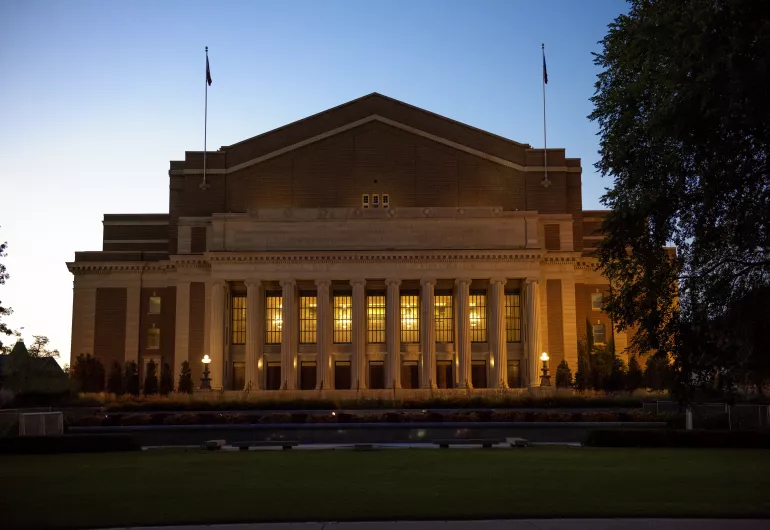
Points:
(545, 140)
(205, 184)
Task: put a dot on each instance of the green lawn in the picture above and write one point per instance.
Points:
(165, 487)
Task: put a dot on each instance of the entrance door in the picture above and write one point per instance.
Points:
(444, 374)
(514, 374)
(273, 376)
(376, 375)
(410, 377)
(239, 375)
(307, 373)
(342, 375)
(479, 374)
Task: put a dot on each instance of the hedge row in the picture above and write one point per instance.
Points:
(68, 443)
(678, 438)
(452, 402)
(213, 418)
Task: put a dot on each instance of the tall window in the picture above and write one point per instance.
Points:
(478, 316)
(308, 311)
(153, 338)
(238, 324)
(273, 317)
(153, 307)
(410, 318)
(512, 317)
(597, 301)
(599, 334)
(375, 318)
(444, 318)
(343, 312)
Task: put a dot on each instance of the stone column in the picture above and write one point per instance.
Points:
(464, 332)
(181, 327)
(323, 335)
(217, 333)
(254, 340)
(428, 333)
(358, 366)
(569, 323)
(288, 352)
(393, 326)
(497, 344)
(532, 330)
(83, 320)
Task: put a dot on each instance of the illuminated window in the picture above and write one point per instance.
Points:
(478, 316)
(153, 338)
(375, 318)
(445, 331)
(599, 336)
(308, 312)
(410, 318)
(512, 317)
(365, 201)
(375, 201)
(153, 307)
(385, 201)
(597, 301)
(238, 324)
(343, 312)
(273, 317)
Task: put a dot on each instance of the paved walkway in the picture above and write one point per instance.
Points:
(517, 524)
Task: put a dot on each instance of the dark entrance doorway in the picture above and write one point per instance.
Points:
(479, 374)
(410, 377)
(342, 375)
(444, 374)
(376, 374)
(307, 373)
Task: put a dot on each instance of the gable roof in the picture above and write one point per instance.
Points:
(352, 114)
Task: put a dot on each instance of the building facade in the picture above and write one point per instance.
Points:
(371, 246)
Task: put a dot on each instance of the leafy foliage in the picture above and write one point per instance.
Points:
(115, 380)
(563, 375)
(635, 376)
(583, 372)
(88, 374)
(617, 378)
(39, 347)
(682, 110)
(131, 378)
(658, 373)
(4, 311)
(185, 379)
(150, 379)
(166, 380)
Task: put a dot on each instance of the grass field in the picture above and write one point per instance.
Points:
(165, 487)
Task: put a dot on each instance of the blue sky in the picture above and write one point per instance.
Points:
(97, 97)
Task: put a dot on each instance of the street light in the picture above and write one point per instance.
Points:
(206, 380)
(545, 379)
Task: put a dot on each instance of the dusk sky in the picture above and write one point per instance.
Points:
(98, 97)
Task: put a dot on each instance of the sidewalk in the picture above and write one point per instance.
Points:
(514, 524)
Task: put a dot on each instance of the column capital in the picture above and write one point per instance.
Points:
(252, 283)
(428, 281)
(358, 281)
(218, 284)
(392, 282)
(323, 284)
(460, 281)
(287, 283)
(531, 280)
(498, 280)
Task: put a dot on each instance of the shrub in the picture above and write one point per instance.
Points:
(185, 379)
(166, 380)
(658, 373)
(131, 378)
(185, 418)
(151, 379)
(136, 419)
(617, 379)
(115, 380)
(563, 375)
(635, 376)
(88, 374)
(677, 438)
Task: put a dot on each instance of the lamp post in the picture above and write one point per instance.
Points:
(206, 380)
(545, 379)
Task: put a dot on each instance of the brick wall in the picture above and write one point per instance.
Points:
(555, 324)
(110, 326)
(198, 239)
(552, 239)
(165, 321)
(584, 314)
(197, 323)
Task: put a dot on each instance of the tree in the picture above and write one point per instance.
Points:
(617, 379)
(4, 311)
(131, 378)
(583, 372)
(600, 368)
(682, 111)
(635, 376)
(563, 375)
(115, 381)
(658, 373)
(185, 379)
(88, 374)
(166, 380)
(151, 379)
(39, 347)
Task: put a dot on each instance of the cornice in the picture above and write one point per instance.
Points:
(259, 258)
(116, 267)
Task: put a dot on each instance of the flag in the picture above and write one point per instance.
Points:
(208, 71)
(545, 70)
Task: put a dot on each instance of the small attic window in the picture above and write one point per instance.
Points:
(385, 200)
(365, 201)
(375, 200)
